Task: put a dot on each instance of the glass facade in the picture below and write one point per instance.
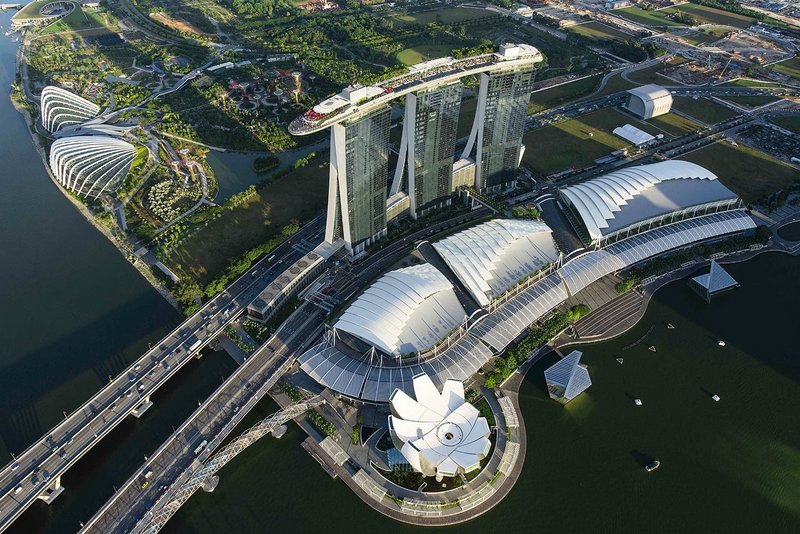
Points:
(359, 174)
(434, 137)
(505, 112)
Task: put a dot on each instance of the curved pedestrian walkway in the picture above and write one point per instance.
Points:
(457, 505)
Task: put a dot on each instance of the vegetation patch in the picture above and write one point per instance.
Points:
(703, 109)
(574, 143)
(560, 94)
(790, 67)
(751, 174)
(320, 423)
(259, 222)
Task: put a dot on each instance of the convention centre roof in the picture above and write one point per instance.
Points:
(629, 196)
(493, 256)
(407, 310)
(441, 433)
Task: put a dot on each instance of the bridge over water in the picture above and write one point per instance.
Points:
(36, 472)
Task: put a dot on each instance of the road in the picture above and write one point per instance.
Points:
(211, 423)
(42, 464)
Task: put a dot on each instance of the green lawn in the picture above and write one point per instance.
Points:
(574, 143)
(790, 123)
(420, 53)
(554, 96)
(31, 10)
(750, 173)
(704, 36)
(651, 74)
(646, 18)
(600, 32)
(77, 20)
(710, 15)
(616, 83)
(447, 15)
(746, 82)
(789, 66)
(752, 101)
(298, 195)
(675, 125)
(703, 109)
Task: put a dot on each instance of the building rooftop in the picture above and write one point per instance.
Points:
(494, 256)
(441, 433)
(626, 197)
(716, 279)
(406, 310)
(569, 374)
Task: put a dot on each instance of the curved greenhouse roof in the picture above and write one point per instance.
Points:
(61, 108)
(91, 165)
(628, 197)
(493, 256)
(407, 310)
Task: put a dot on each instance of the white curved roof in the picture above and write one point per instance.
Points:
(406, 310)
(628, 196)
(441, 433)
(60, 108)
(493, 256)
(650, 92)
(91, 165)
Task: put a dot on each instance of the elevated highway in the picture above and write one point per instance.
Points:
(36, 472)
(158, 488)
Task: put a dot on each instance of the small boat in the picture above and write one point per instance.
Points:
(721, 343)
(637, 402)
(715, 397)
(652, 347)
(619, 360)
(670, 326)
(652, 466)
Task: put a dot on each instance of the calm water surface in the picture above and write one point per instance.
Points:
(73, 311)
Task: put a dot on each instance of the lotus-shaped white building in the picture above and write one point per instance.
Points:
(439, 434)
(60, 108)
(91, 165)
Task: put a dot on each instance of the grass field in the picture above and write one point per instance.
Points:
(646, 18)
(447, 15)
(702, 109)
(710, 15)
(746, 82)
(651, 74)
(31, 10)
(600, 32)
(701, 37)
(420, 53)
(790, 123)
(574, 143)
(790, 67)
(616, 83)
(298, 195)
(554, 96)
(749, 173)
(755, 101)
(675, 125)
(77, 20)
